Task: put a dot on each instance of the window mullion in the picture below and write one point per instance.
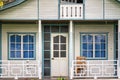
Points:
(93, 46)
(22, 46)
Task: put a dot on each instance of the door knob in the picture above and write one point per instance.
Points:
(52, 58)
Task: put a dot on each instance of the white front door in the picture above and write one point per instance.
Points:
(59, 54)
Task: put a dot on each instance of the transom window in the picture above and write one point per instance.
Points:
(94, 46)
(71, 1)
(21, 46)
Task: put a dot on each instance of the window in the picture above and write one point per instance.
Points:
(21, 46)
(94, 46)
(71, 1)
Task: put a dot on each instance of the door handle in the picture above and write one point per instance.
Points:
(52, 58)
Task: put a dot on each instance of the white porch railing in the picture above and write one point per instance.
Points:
(19, 69)
(96, 68)
(71, 11)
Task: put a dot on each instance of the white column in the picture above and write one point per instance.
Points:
(70, 48)
(119, 48)
(40, 49)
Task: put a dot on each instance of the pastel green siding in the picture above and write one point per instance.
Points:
(48, 9)
(26, 10)
(112, 9)
(93, 9)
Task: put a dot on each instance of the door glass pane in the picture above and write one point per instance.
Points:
(46, 71)
(63, 46)
(46, 54)
(56, 47)
(56, 39)
(63, 39)
(56, 53)
(47, 63)
(63, 54)
(47, 45)
(47, 37)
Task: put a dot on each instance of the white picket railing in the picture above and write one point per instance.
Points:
(95, 69)
(71, 11)
(19, 69)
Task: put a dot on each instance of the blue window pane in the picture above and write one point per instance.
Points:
(97, 54)
(90, 46)
(12, 38)
(97, 46)
(18, 54)
(98, 38)
(84, 38)
(18, 38)
(12, 54)
(18, 46)
(12, 46)
(25, 54)
(84, 46)
(25, 38)
(90, 53)
(31, 54)
(31, 47)
(102, 38)
(102, 45)
(85, 53)
(90, 38)
(31, 38)
(25, 47)
(102, 53)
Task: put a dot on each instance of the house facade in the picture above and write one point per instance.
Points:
(42, 38)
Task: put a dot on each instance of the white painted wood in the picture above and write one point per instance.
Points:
(93, 9)
(26, 10)
(71, 11)
(119, 48)
(40, 49)
(71, 53)
(59, 65)
(48, 9)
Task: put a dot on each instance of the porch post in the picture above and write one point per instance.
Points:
(40, 49)
(70, 48)
(119, 49)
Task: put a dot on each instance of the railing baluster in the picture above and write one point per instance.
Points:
(71, 11)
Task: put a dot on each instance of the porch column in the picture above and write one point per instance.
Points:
(119, 48)
(70, 48)
(40, 49)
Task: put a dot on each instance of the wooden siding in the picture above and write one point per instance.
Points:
(49, 9)
(112, 9)
(22, 28)
(93, 9)
(26, 10)
(95, 28)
